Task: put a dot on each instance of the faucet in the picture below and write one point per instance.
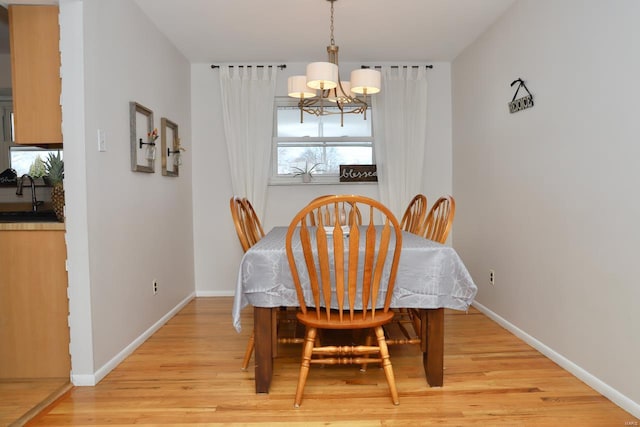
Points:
(34, 202)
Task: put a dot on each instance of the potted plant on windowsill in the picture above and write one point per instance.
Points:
(307, 172)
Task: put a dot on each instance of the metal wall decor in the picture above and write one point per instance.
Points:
(521, 103)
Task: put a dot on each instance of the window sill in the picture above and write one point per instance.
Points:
(39, 182)
(315, 181)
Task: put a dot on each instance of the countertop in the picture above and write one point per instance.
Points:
(31, 226)
(28, 226)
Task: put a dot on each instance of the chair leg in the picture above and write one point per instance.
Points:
(404, 316)
(249, 351)
(367, 342)
(415, 319)
(386, 365)
(304, 366)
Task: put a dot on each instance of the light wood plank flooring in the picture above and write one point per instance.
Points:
(21, 399)
(188, 373)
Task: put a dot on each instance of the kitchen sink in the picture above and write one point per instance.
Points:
(28, 216)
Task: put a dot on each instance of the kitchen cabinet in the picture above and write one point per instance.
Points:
(34, 35)
(34, 331)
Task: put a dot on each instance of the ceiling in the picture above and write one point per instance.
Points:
(275, 31)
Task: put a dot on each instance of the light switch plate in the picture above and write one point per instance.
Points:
(102, 140)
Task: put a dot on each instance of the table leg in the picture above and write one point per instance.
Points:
(264, 335)
(432, 344)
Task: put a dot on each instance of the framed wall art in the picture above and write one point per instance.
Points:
(143, 137)
(170, 147)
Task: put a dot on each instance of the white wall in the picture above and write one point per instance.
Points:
(217, 250)
(547, 196)
(124, 228)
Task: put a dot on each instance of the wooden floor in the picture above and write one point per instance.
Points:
(21, 399)
(189, 373)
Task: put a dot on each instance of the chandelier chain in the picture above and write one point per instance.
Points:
(323, 82)
(333, 42)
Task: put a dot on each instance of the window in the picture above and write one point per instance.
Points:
(22, 157)
(15, 156)
(6, 132)
(318, 141)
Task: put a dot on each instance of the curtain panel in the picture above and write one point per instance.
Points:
(400, 129)
(247, 107)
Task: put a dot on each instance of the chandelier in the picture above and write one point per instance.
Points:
(321, 86)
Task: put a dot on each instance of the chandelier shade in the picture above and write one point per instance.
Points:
(342, 92)
(322, 75)
(365, 81)
(297, 88)
(322, 82)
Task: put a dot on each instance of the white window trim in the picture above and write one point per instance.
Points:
(318, 179)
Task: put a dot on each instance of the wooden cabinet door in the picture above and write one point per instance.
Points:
(35, 72)
(34, 331)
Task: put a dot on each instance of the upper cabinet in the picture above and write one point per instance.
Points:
(35, 74)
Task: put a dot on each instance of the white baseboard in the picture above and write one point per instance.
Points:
(600, 386)
(83, 380)
(91, 380)
(215, 293)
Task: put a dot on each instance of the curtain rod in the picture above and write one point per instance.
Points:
(281, 66)
(398, 66)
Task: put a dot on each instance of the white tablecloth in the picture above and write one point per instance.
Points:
(430, 275)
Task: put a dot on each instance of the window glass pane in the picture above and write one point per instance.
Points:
(289, 123)
(315, 126)
(329, 158)
(320, 141)
(354, 125)
(298, 157)
(23, 157)
(6, 126)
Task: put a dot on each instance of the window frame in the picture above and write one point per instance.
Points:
(6, 133)
(313, 141)
(7, 146)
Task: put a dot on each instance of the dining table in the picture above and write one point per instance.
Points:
(431, 277)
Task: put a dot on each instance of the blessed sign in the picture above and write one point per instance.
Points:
(358, 173)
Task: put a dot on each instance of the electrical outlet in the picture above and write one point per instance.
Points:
(155, 287)
(492, 277)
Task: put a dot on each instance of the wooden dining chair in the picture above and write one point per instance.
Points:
(436, 227)
(248, 226)
(404, 320)
(415, 214)
(249, 230)
(328, 218)
(347, 289)
(439, 220)
(239, 214)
